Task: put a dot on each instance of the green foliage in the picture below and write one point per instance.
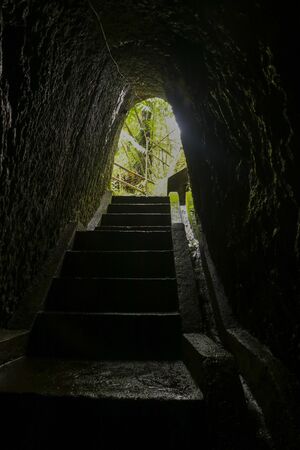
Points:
(190, 208)
(148, 149)
(181, 162)
(175, 207)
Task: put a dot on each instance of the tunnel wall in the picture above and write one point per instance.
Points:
(227, 71)
(237, 109)
(61, 106)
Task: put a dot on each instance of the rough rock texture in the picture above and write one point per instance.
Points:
(60, 96)
(227, 69)
(241, 141)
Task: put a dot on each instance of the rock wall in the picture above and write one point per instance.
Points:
(239, 122)
(61, 106)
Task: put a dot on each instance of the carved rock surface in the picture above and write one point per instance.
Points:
(228, 70)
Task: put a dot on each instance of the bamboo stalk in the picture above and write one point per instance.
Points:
(154, 156)
(128, 184)
(133, 173)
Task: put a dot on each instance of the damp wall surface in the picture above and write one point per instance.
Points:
(61, 106)
(227, 68)
(239, 130)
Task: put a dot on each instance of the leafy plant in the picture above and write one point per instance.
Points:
(148, 150)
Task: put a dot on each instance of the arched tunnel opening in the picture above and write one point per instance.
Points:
(149, 152)
(70, 72)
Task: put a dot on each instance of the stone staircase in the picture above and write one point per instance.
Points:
(104, 364)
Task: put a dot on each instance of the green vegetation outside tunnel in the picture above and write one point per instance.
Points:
(149, 150)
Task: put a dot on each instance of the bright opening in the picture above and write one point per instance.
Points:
(149, 150)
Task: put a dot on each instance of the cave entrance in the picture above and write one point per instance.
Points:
(149, 152)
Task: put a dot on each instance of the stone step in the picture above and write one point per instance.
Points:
(122, 240)
(109, 336)
(133, 228)
(12, 344)
(139, 208)
(143, 219)
(99, 404)
(112, 294)
(119, 264)
(139, 199)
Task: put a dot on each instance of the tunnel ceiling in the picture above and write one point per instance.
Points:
(225, 69)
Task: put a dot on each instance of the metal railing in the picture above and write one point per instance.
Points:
(131, 180)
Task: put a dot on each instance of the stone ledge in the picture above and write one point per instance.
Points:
(12, 344)
(35, 296)
(215, 371)
(272, 385)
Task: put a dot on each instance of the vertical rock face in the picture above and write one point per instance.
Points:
(59, 101)
(241, 141)
(225, 70)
